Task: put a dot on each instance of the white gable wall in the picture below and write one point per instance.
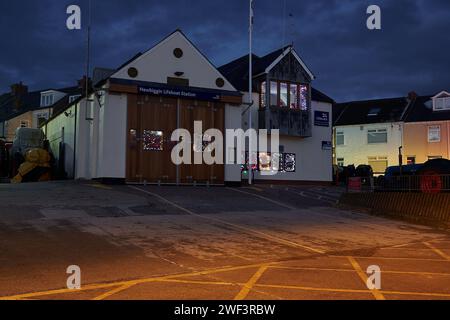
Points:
(159, 63)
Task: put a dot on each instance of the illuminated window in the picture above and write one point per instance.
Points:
(265, 161)
(153, 140)
(289, 162)
(284, 96)
(294, 101)
(340, 162)
(273, 93)
(263, 95)
(304, 97)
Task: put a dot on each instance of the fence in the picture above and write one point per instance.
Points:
(430, 209)
(410, 184)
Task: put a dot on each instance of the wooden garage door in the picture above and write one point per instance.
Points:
(212, 116)
(151, 121)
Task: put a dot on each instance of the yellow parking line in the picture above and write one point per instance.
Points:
(392, 258)
(437, 251)
(112, 292)
(249, 285)
(99, 186)
(130, 282)
(362, 275)
(353, 270)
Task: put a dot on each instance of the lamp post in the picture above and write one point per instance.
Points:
(250, 96)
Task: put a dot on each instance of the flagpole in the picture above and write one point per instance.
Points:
(250, 97)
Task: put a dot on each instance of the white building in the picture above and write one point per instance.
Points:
(369, 132)
(123, 132)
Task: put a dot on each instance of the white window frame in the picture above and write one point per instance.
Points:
(376, 131)
(340, 133)
(441, 102)
(437, 133)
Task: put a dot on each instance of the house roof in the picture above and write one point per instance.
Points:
(236, 72)
(422, 111)
(370, 111)
(30, 101)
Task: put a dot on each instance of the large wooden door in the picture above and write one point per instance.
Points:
(151, 122)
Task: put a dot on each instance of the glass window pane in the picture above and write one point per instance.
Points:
(263, 95)
(153, 140)
(340, 139)
(294, 97)
(283, 94)
(273, 93)
(304, 97)
(377, 136)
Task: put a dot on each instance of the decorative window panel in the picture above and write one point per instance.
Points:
(273, 93)
(289, 162)
(304, 97)
(294, 99)
(153, 140)
(284, 94)
(262, 99)
(340, 138)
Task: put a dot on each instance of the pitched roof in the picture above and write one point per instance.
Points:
(422, 111)
(30, 101)
(370, 111)
(236, 72)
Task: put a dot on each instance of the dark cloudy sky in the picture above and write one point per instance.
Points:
(411, 52)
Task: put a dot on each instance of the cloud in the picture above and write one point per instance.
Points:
(351, 62)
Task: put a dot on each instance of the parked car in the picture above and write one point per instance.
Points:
(435, 176)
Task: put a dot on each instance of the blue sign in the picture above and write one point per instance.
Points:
(321, 119)
(180, 93)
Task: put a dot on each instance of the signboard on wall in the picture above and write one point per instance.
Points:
(185, 93)
(321, 119)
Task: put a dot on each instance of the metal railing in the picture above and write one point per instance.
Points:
(413, 183)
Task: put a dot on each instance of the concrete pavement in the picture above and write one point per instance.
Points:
(260, 242)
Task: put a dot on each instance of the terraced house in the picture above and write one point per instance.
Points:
(374, 132)
(20, 108)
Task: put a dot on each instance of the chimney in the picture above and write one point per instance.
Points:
(412, 95)
(82, 84)
(18, 89)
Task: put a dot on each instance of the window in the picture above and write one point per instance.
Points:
(434, 134)
(304, 97)
(46, 100)
(289, 164)
(284, 96)
(41, 118)
(411, 160)
(73, 98)
(340, 138)
(262, 97)
(374, 112)
(340, 162)
(274, 93)
(294, 101)
(153, 140)
(378, 164)
(377, 136)
(442, 103)
(24, 124)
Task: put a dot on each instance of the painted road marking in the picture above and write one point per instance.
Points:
(235, 226)
(392, 258)
(437, 251)
(123, 285)
(99, 186)
(251, 283)
(376, 293)
(265, 198)
(112, 292)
